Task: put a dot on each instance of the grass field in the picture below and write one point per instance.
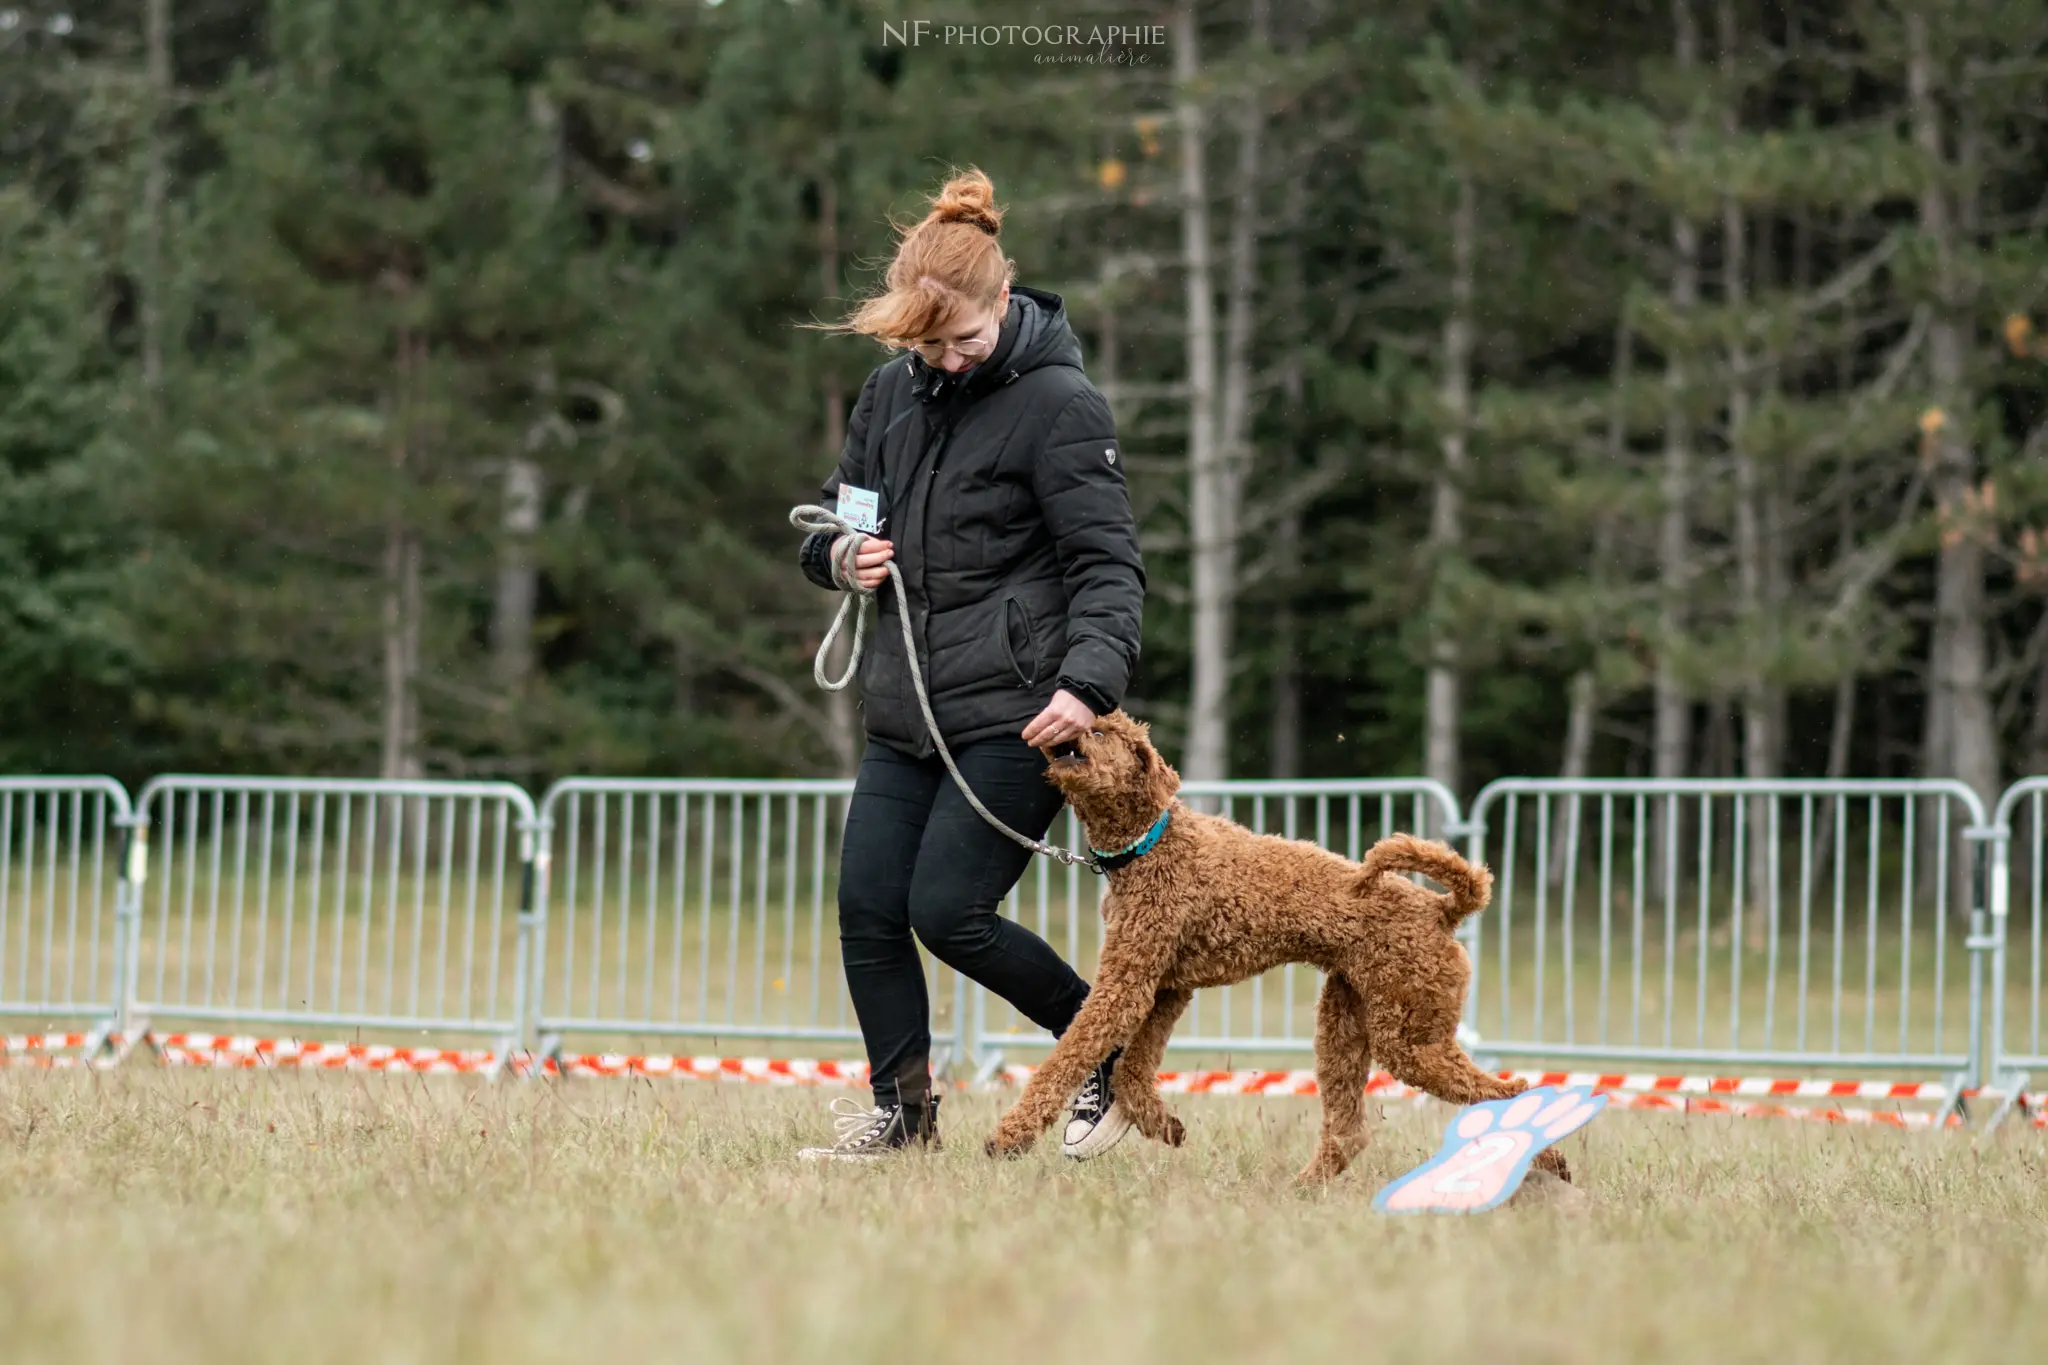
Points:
(218, 1218)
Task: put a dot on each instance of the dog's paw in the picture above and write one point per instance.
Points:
(1542, 1190)
(1175, 1132)
(1007, 1146)
(1322, 1168)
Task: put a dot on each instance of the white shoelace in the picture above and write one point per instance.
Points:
(1088, 1104)
(857, 1127)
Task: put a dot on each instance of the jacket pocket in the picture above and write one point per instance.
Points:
(1017, 617)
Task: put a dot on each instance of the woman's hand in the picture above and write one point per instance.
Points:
(1065, 718)
(869, 566)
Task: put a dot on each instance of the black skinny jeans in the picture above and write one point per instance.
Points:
(917, 859)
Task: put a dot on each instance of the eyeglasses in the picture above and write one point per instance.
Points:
(974, 348)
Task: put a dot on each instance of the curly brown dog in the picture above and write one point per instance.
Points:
(1211, 903)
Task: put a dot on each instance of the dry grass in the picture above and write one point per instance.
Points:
(200, 1217)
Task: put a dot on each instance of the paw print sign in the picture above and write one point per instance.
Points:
(1488, 1150)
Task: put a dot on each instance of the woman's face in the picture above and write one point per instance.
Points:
(965, 339)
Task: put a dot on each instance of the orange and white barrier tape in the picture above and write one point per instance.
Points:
(41, 1042)
(57, 1051)
(1883, 1118)
(1684, 1102)
(765, 1070)
(1667, 1094)
(1774, 1087)
(1710, 1095)
(1303, 1082)
(234, 1052)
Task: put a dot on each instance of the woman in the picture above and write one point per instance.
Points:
(998, 492)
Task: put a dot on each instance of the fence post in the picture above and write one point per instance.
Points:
(2010, 1085)
(1984, 943)
(2001, 892)
(1471, 829)
(984, 1069)
(961, 1058)
(530, 969)
(129, 881)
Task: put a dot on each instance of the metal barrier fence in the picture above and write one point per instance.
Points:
(1271, 1014)
(1776, 924)
(63, 895)
(394, 907)
(1745, 924)
(699, 909)
(2016, 1024)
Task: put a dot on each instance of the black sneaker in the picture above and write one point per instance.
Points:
(1097, 1122)
(871, 1134)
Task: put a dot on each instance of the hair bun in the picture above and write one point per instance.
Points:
(968, 198)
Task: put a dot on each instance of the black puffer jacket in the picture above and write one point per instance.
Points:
(1003, 493)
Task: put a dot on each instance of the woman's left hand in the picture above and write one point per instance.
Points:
(1065, 718)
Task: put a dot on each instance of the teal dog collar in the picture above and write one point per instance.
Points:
(1130, 853)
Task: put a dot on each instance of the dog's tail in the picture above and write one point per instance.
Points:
(1470, 885)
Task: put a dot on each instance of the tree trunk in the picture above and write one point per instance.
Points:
(525, 490)
(397, 681)
(512, 607)
(415, 616)
(841, 717)
(1240, 320)
(1755, 638)
(401, 716)
(1885, 727)
(1210, 514)
(1219, 435)
(1285, 747)
(1285, 744)
(1573, 766)
(155, 191)
(1961, 737)
(1841, 731)
(1584, 706)
(1446, 524)
(1577, 759)
(1672, 736)
(1774, 520)
(1673, 707)
(1717, 745)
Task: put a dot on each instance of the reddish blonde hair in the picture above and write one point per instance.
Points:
(948, 261)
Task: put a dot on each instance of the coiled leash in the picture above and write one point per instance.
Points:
(845, 552)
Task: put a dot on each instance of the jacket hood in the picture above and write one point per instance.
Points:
(1035, 335)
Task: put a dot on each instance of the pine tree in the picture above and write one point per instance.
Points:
(66, 655)
(386, 283)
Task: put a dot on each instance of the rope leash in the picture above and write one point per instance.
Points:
(846, 551)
